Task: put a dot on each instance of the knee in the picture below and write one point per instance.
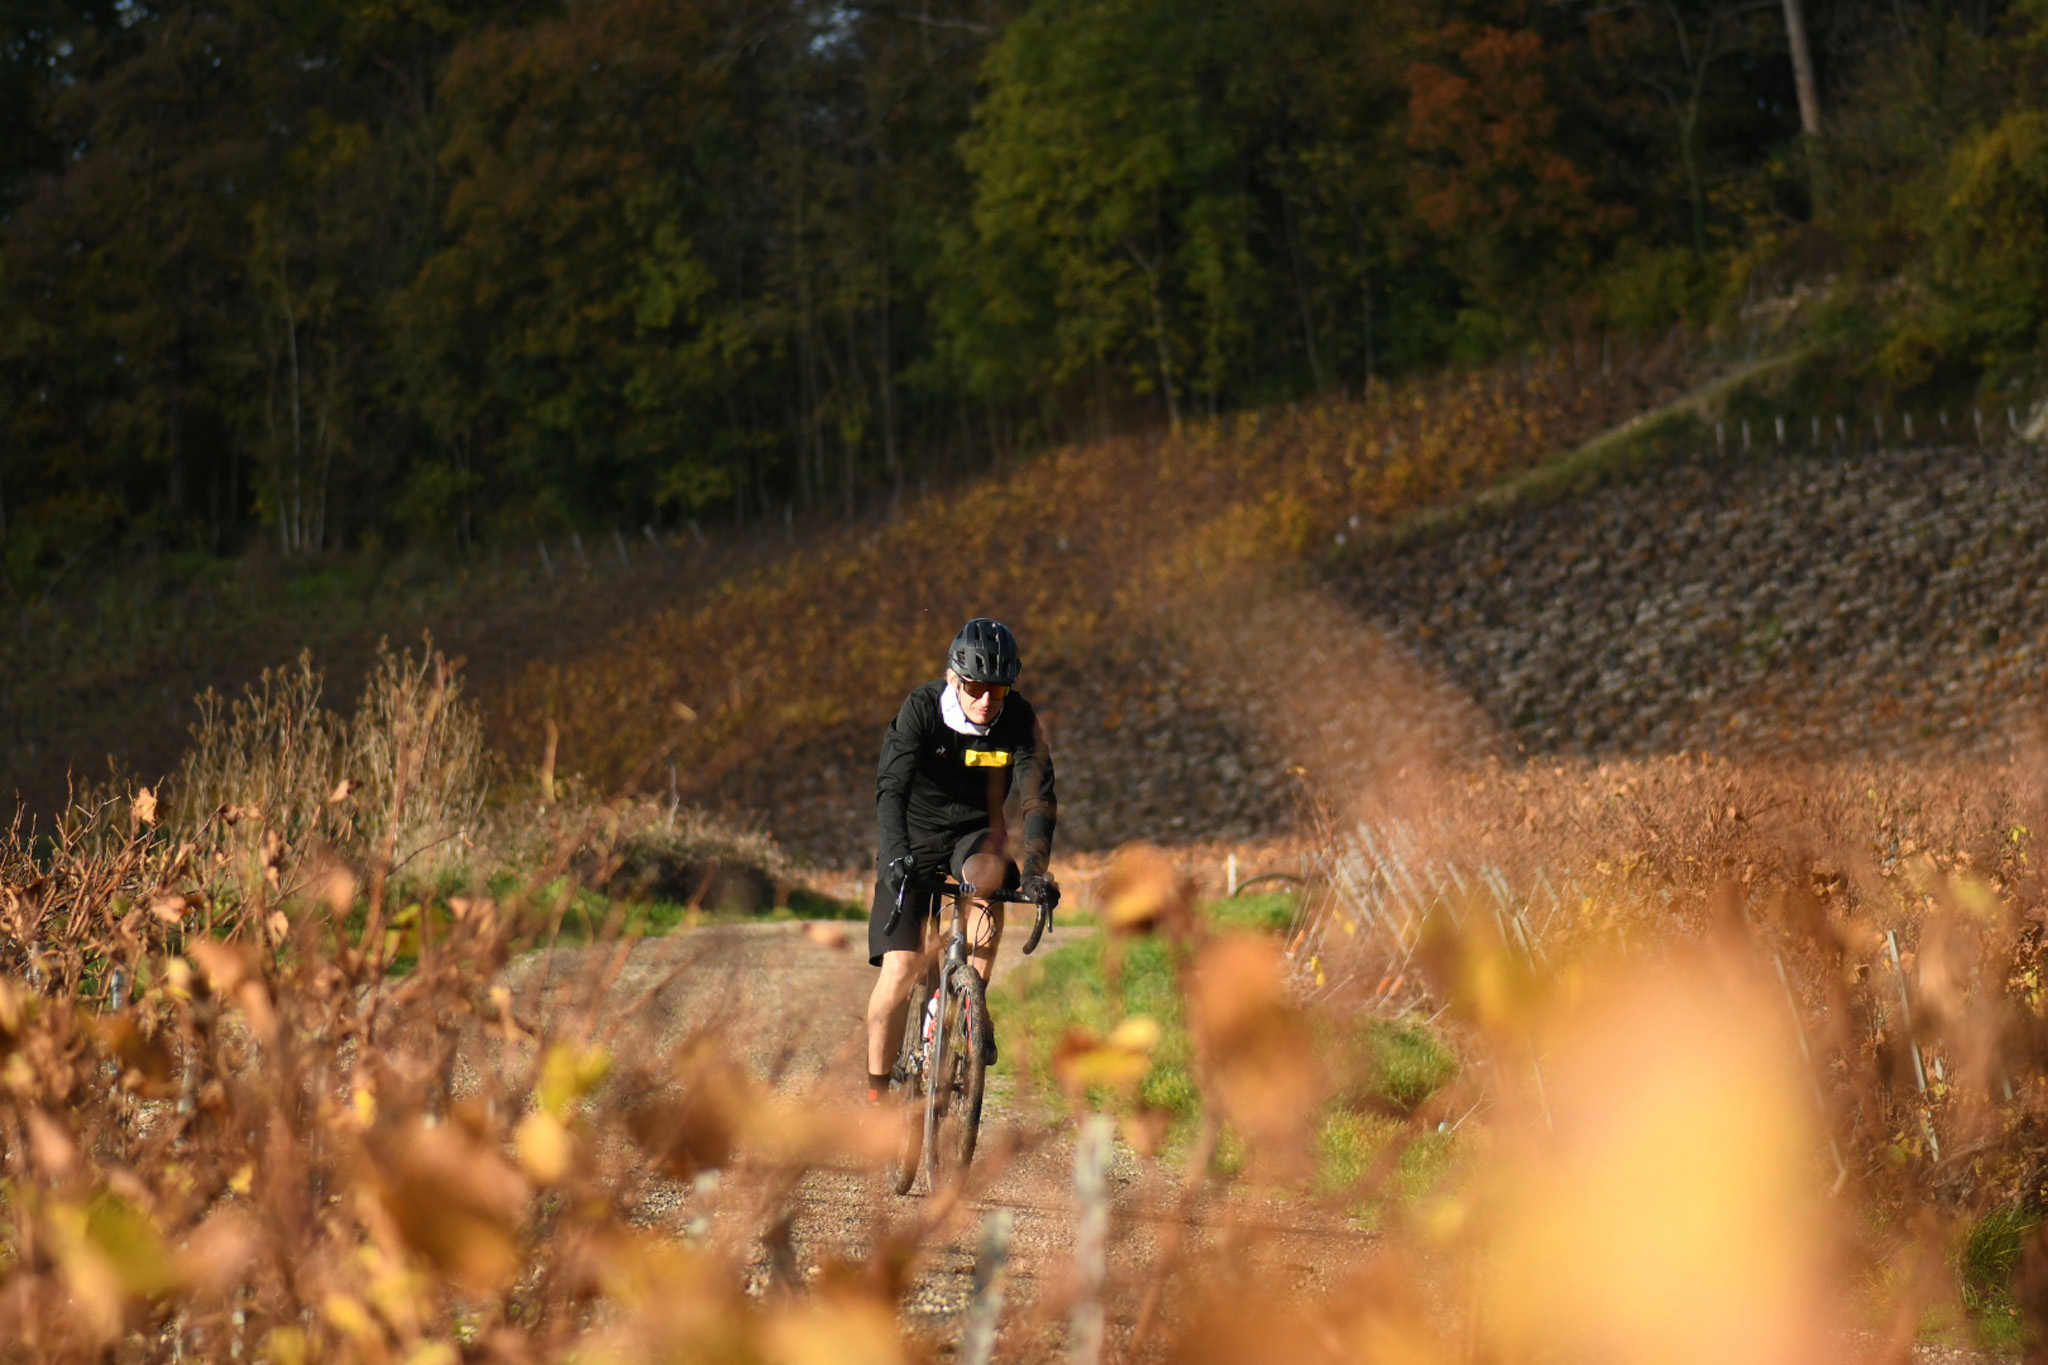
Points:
(897, 969)
(986, 870)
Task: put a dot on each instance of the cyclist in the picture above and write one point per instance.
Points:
(958, 749)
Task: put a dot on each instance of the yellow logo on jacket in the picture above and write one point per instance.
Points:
(988, 758)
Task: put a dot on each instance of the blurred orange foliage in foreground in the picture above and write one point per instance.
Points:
(1744, 1055)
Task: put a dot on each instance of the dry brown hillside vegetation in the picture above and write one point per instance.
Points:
(1130, 568)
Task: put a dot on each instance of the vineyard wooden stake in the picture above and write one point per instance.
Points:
(991, 1281)
(1091, 1238)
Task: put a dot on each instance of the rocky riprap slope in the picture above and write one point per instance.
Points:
(1798, 607)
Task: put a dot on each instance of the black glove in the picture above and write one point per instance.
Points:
(1042, 889)
(896, 875)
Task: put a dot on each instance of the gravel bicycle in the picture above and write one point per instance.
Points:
(939, 1064)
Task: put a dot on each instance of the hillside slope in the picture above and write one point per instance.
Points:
(1139, 573)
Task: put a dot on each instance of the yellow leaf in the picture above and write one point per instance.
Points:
(347, 1316)
(131, 1244)
(545, 1147)
(843, 1332)
(285, 1346)
(568, 1074)
(1135, 1034)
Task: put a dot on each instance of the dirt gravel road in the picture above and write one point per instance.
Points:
(794, 1004)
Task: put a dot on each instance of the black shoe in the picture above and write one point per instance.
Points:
(988, 1047)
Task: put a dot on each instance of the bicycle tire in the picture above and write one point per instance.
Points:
(909, 1076)
(954, 1096)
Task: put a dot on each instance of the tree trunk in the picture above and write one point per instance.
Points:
(886, 376)
(1688, 129)
(1159, 335)
(289, 513)
(1365, 288)
(1802, 70)
(1308, 322)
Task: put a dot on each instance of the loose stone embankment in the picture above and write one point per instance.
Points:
(1885, 601)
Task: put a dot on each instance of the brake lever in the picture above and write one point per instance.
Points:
(1038, 928)
(896, 915)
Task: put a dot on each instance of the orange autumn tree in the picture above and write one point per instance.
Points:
(1491, 179)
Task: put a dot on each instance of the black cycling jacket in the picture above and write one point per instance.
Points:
(936, 785)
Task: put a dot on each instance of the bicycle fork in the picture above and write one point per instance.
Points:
(937, 1071)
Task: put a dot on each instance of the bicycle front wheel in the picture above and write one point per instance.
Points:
(910, 1078)
(953, 1100)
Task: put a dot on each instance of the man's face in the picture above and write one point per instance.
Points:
(979, 702)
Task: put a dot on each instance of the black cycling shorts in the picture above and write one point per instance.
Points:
(909, 935)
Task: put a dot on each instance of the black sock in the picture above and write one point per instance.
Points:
(877, 1083)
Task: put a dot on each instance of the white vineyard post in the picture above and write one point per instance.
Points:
(1091, 1241)
(1891, 943)
(991, 1282)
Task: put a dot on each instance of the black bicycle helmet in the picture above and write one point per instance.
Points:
(985, 652)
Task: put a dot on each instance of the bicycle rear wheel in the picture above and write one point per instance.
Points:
(953, 1099)
(909, 1076)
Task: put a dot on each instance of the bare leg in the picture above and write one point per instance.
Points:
(984, 920)
(984, 935)
(885, 1010)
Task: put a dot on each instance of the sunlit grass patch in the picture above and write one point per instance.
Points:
(1092, 986)
(1408, 1062)
(1985, 1265)
(1350, 1147)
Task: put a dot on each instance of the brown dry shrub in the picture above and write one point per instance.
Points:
(1892, 912)
(251, 1107)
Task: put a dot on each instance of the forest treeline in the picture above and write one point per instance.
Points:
(315, 273)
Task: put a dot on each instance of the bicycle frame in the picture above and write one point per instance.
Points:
(935, 1054)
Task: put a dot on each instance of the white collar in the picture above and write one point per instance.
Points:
(955, 718)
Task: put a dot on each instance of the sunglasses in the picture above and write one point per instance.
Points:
(978, 690)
